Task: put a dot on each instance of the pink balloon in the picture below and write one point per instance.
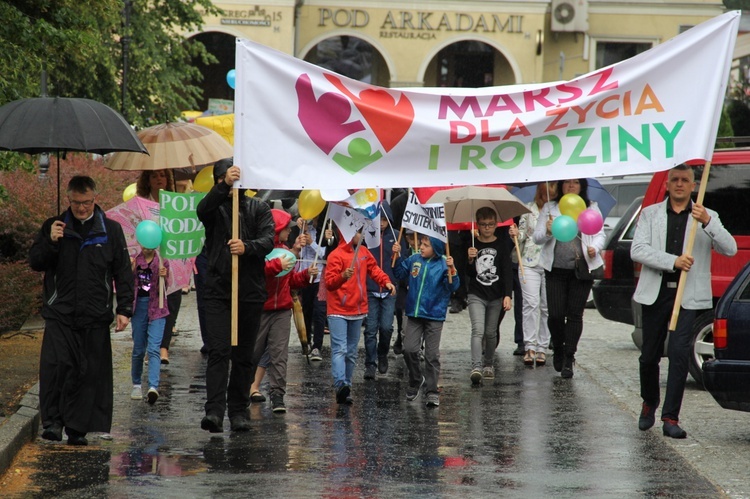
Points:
(590, 222)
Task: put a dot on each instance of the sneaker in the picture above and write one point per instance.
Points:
(370, 372)
(476, 376)
(315, 355)
(152, 395)
(488, 372)
(137, 393)
(342, 393)
(433, 400)
(383, 364)
(277, 403)
(412, 392)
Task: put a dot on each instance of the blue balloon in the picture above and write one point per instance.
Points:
(148, 234)
(231, 78)
(564, 228)
(279, 253)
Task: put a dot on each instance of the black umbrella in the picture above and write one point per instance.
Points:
(55, 124)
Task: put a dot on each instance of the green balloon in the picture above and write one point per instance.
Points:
(564, 228)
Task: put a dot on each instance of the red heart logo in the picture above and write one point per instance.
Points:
(389, 120)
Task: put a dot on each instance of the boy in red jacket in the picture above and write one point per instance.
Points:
(346, 283)
(272, 344)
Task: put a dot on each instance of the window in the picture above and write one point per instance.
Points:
(611, 52)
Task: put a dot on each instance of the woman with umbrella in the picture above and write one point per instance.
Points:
(566, 294)
(148, 186)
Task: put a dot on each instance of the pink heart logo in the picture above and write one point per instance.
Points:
(388, 119)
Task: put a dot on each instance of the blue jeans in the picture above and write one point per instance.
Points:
(379, 318)
(344, 335)
(147, 337)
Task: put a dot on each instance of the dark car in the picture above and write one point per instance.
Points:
(727, 191)
(727, 377)
(613, 294)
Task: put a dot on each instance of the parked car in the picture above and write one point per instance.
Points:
(613, 294)
(727, 192)
(727, 376)
(624, 188)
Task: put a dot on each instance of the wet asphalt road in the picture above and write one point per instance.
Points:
(527, 433)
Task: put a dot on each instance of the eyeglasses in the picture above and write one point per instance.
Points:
(86, 204)
(487, 225)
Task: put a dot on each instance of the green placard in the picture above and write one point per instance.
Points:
(183, 233)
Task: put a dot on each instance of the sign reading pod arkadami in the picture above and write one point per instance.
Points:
(298, 126)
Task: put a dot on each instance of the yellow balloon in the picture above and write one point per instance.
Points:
(572, 205)
(310, 204)
(129, 192)
(204, 180)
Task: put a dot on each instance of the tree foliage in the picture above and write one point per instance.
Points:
(79, 41)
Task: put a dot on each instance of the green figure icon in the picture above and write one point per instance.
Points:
(360, 155)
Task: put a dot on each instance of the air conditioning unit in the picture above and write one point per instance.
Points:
(570, 15)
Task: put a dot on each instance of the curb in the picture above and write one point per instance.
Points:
(20, 428)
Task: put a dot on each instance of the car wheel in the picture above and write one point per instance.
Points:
(703, 344)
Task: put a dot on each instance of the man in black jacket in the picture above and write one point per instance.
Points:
(231, 392)
(82, 254)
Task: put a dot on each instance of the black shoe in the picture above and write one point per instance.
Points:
(277, 403)
(76, 437)
(370, 372)
(567, 370)
(77, 440)
(383, 364)
(455, 308)
(671, 429)
(343, 393)
(204, 350)
(237, 423)
(557, 361)
(398, 347)
(53, 432)
(520, 350)
(349, 399)
(648, 417)
(212, 424)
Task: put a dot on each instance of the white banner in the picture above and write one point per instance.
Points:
(298, 126)
(427, 219)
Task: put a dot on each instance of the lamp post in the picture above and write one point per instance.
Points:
(125, 40)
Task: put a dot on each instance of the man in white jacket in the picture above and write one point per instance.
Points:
(658, 245)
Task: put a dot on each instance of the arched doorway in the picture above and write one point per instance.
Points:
(214, 84)
(469, 63)
(352, 57)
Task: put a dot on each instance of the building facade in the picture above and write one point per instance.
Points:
(469, 43)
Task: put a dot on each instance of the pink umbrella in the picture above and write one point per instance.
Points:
(132, 212)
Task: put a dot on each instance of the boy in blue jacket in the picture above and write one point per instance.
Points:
(426, 304)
